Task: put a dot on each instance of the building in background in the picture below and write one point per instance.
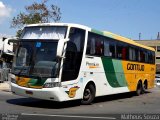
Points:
(6, 58)
(6, 50)
(156, 45)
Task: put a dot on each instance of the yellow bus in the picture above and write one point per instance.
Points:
(64, 61)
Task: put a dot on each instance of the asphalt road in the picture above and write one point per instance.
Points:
(108, 107)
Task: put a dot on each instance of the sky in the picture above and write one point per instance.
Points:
(123, 17)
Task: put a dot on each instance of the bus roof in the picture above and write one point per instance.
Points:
(104, 33)
(59, 24)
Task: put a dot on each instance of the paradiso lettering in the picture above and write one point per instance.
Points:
(137, 67)
(92, 65)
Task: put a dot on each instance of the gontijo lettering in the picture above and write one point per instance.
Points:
(138, 67)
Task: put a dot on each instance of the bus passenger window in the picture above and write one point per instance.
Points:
(99, 47)
(112, 50)
(119, 51)
(106, 49)
(142, 57)
(92, 46)
(124, 53)
(132, 54)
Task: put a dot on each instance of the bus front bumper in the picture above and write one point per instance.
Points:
(53, 94)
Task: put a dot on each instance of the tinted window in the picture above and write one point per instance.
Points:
(99, 45)
(95, 45)
(122, 51)
(73, 56)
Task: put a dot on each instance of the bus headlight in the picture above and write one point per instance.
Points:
(52, 84)
(13, 81)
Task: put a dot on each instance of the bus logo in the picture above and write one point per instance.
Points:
(92, 65)
(138, 67)
(72, 91)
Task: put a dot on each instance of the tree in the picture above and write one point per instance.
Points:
(36, 13)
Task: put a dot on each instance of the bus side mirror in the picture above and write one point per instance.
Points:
(60, 47)
(12, 40)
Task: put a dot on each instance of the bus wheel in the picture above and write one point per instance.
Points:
(144, 89)
(139, 88)
(88, 95)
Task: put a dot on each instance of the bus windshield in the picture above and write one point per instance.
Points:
(36, 58)
(36, 51)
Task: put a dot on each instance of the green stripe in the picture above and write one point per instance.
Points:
(97, 31)
(110, 72)
(114, 72)
(119, 72)
(37, 82)
(108, 35)
(102, 33)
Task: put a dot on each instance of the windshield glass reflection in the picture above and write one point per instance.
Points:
(36, 59)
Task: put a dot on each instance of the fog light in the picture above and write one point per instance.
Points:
(52, 84)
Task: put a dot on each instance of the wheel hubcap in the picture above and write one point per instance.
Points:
(87, 94)
(145, 86)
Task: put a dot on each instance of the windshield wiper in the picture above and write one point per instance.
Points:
(19, 73)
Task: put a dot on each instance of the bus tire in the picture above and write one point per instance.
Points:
(88, 95)
(145, 86)
(139, 88)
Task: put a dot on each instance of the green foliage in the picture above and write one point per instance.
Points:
(36, 13)
(18, 34)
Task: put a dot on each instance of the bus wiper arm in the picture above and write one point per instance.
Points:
(21, 70)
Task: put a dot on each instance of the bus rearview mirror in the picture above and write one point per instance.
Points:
(60, 47)
(12, 40)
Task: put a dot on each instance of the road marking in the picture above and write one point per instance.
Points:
(69, 116)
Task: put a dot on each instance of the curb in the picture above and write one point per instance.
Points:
(5, 87)
(6, 90)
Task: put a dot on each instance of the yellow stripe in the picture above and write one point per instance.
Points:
(22, 81)
(93, 67)
(127, 40)
(37, 87)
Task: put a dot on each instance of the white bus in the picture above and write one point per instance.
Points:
(62, 62)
